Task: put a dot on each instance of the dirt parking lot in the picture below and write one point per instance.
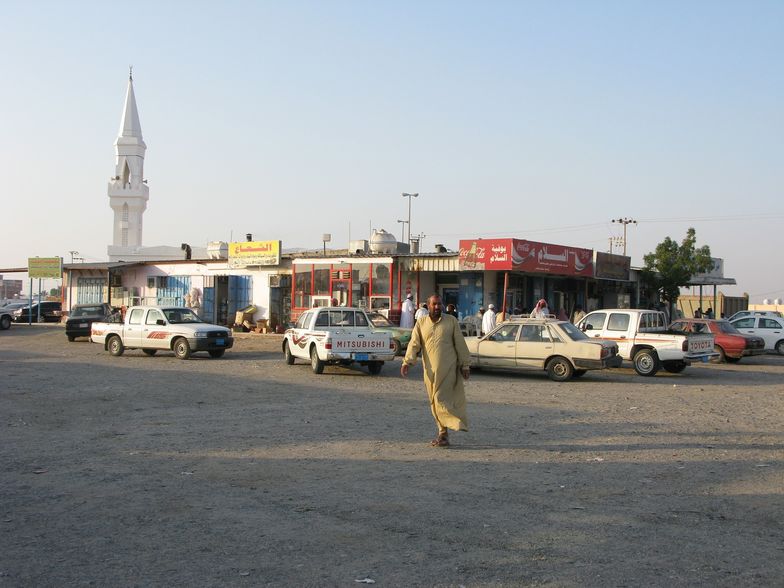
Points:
(243, 471)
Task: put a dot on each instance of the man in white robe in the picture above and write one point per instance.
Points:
(488, 319)
(407, 313)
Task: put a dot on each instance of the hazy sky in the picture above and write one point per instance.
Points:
(534, 120)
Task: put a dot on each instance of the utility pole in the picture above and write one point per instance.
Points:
(409, 196)
(624, 221)
(615, 242)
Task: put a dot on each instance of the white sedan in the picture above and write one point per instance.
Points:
(770, 328)
(557, 347)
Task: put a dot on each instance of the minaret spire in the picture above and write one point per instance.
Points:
(128, 192)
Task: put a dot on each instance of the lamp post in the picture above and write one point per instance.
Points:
(409, 196)
(402, 229)
(624, 221)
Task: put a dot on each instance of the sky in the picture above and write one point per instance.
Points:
(288, 120)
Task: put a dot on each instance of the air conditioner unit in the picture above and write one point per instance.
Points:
(274, 280)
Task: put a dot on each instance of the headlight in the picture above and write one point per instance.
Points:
(18, 312)
(200, 334)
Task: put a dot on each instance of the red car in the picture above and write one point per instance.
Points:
(729, 343)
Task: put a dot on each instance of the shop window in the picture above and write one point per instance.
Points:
(381, 281)
(321, 280)
(302, 286)
(360, 285)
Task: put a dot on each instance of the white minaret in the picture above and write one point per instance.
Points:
(128, 194)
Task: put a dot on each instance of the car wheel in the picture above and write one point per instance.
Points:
(780, 347)
(646, 362)
(559, 369)
(287, 353)
(182, 349)
(115, 346)
(397, 347)
(149, 352)
(579, 373)
(216, 353)
(42, 318)
(374, 367)
(722, 356)
(5, 322)
(674, 367)
(71, 338)
(315, 363)
(732, 359)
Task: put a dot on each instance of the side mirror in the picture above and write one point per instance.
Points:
(161, 322)
(587, 327)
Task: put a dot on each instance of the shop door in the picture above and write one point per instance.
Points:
(90, 290)
(340, 291)
(450, 296)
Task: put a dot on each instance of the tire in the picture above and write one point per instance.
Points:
(398, 348)
(149, 352)
(216, 353)
(42, 318)
(71, 338)
(780, 347)
(722, 356)
(732, 359)
(374, 367)
(5, 322)
(559, 369)
(315, 363)
(674, 367)
(579, 373)
(287, 353)
(181, 348)
(646, 362)
(115, 346)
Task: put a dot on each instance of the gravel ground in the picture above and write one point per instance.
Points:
(243, 471)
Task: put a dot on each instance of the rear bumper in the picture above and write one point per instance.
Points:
(355, 356)
(597, 364)
(698, 357)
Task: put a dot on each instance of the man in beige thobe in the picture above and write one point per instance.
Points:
(445, 358)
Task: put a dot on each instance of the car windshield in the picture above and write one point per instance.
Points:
(379, 320)
(572, 332)
(181, 315)
(726, 327)
(88, 311)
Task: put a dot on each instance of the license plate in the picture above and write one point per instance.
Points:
(361, 356)
(220, 341)
(83, 325)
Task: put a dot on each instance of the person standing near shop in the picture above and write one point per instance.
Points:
(488, 319)
(421, 312)
(578, 314)
(407, 312)
(540, 310)
(446, 359)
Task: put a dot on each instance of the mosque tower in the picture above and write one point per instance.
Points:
(128, 191)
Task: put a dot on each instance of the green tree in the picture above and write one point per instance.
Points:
(672, 266)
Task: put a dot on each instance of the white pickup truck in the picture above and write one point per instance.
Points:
(338, 335)
(643, 337)
(152, 328)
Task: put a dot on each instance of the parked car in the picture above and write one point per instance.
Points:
(770, 328)
(558, 347)
(400, 335)
(155, 328)
(730, 344)
(50, 312)
(742, 313)
(82, 317)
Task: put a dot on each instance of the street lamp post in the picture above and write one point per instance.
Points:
(624, 221)
(402, 229)
(409, 196)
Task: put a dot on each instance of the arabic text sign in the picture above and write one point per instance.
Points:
(247, 253)
(485, 254)
(45, 267)
(531, 256)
